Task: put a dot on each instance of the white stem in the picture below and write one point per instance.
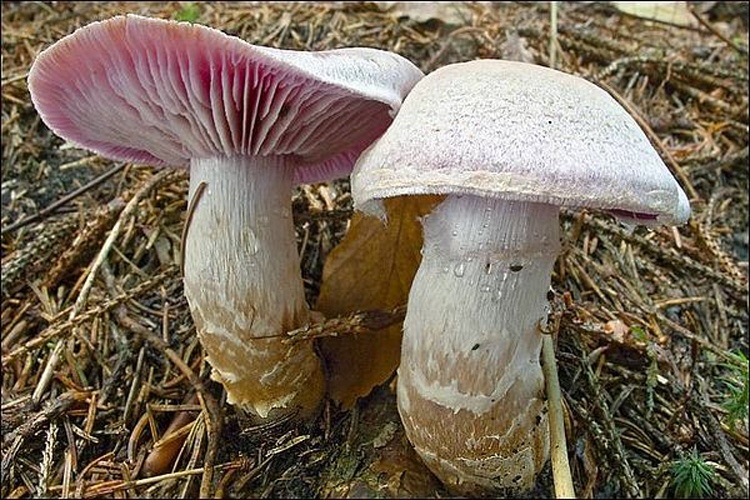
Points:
(243, 283)
(470, 387)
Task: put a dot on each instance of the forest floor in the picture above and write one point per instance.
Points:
(653, 333)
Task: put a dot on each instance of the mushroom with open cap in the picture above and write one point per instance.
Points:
(250, 122)
(508, 143)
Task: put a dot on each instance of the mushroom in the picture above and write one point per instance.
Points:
(508, 143)
(250, 122)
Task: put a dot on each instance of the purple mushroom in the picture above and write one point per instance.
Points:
(250, 122)
(508, 143)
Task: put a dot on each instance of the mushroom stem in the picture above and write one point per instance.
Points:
(243, 284)
(470, 386)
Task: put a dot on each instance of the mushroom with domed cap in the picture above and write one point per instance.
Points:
(250, 122)
(508, 143)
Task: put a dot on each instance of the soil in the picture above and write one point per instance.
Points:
(653, 324)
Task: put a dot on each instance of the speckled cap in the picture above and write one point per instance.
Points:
(522, 132)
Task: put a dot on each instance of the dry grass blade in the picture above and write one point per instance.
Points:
(558, 448)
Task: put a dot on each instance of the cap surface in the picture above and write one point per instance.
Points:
(523, 132)
(162, 92)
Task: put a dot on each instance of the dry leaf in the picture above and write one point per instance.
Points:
(668, 12)
(450, 13)
(617, 330)
(515, 48)
(372, 268)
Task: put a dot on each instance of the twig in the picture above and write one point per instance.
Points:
(129, 209)
(47, 459)
(188, 219)
(27, 261)
(13, 440)
(134, 386)
(66, 327)
(669, 254)
(214, 422)
(46, 377)
(110, 487)
(85, 242)
(614, 446)
(211, 410)
(127, 212)
(357, 322)
(710, 27)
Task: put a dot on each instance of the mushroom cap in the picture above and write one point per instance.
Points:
(163, 92)
(521, 132)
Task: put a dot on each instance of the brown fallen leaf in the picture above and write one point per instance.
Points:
(669, 12)
(372, 268)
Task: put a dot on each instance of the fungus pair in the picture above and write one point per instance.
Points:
(250, 122)
(507, 143)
